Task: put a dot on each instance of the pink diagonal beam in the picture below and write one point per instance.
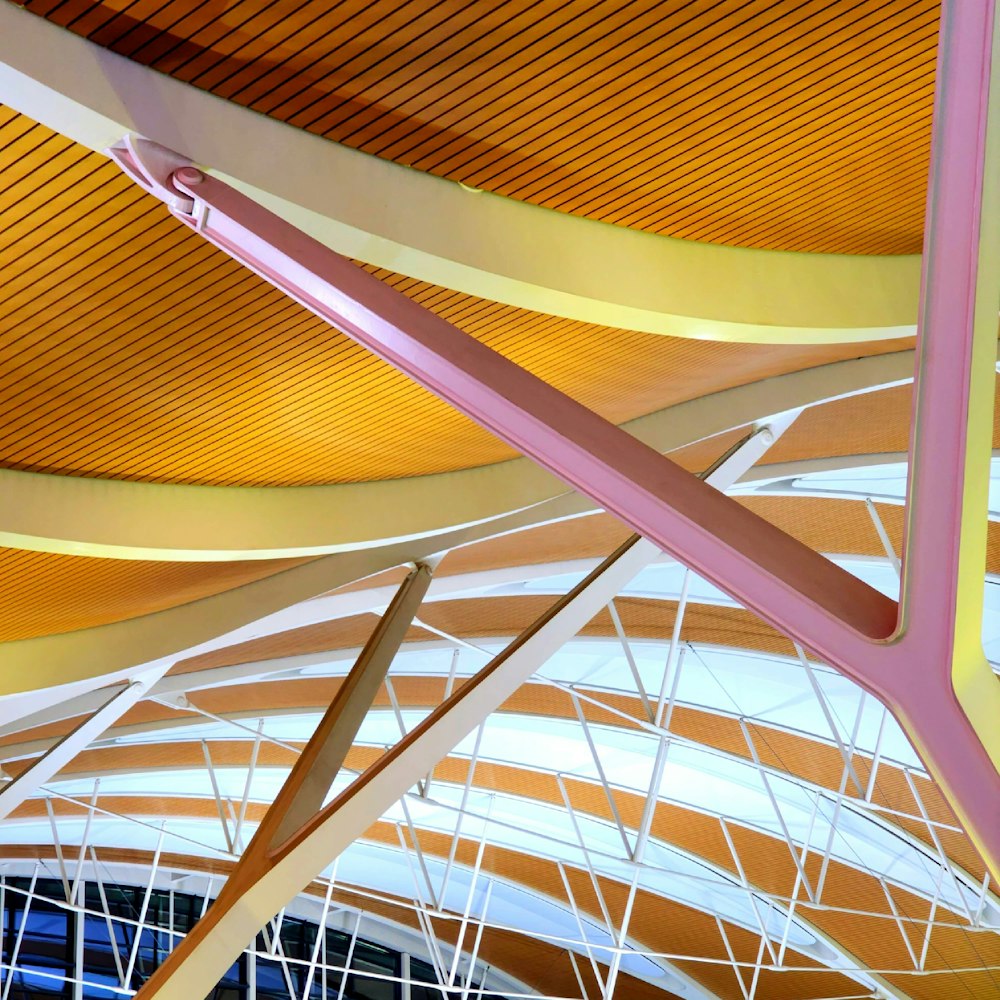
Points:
(837, 616)
(756, 562)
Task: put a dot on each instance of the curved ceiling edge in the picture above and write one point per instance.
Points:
(431, 229)
(127, 520)
(76, 662)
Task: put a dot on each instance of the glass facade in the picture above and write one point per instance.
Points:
(44, 935)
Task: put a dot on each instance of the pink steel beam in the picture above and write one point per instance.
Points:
(941, 686)
(902, 655)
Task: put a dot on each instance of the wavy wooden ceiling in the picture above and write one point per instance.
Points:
(132, 349)
(824, 524)
(43, 594)
(791, 124)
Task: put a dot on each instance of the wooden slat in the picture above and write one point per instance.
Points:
(792, 124)
(44, 594)
(130, 348)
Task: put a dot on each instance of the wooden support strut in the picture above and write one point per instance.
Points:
(307, 785)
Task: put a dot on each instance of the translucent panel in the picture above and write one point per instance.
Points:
(695, 777)
(886, 481)
(665, 579)
(770, 689)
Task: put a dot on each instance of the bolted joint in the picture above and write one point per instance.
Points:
(153, 167)
(188, 176)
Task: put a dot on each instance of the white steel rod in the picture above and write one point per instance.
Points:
(630, 659)
(84, 841)
(571, 812)
(320, 937)
(828, 715)
(584, 995)
(981, 905)
(469, 899)
(777, 810)
(143, 910)
(876, 756)
(588, 948)
(449, 687)
(247, 785)
(899, 922)
(348, 960)
(418, 850)
(752, 992)
(16, 951)
(883, 535)
(930, 922)
(751, 896)
(78, 942)
(113, 940)
(652, 798)
(737, 969)
(218, 797)
(608, 794)
(481, 925)
(466, 790)
(797, 885)
(57, 845)
(616, 959)
(943, 860)
(671, 669)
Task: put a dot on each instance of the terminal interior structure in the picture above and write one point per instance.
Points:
(358, 641)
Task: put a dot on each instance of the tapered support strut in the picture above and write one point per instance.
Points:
(115, 705)
(282, 860)
(222, 933)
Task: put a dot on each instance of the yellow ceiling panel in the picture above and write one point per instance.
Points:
(43, 594)
(797, 124)
(132, 349)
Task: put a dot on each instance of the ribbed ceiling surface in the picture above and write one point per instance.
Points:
(132, 349)
(792, 124)
(42, 593)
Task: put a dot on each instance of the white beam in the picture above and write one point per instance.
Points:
(260, 885)
(28, 782)
(161, 521)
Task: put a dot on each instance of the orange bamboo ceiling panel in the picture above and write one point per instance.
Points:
(825, 524)
(791, 124)
(871, 423)
(43, 594)
(132, 349)
(503, 617)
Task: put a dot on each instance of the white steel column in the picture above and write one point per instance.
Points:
(53, 760)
